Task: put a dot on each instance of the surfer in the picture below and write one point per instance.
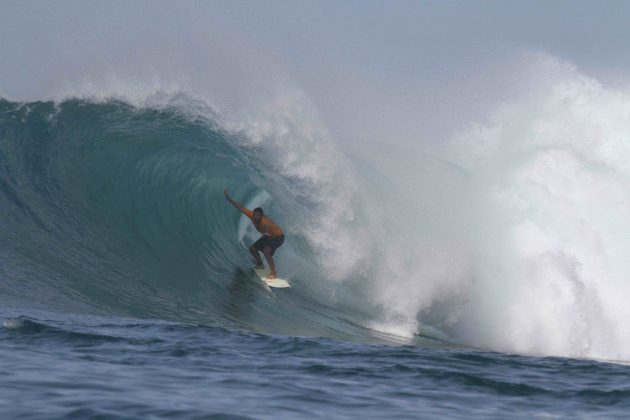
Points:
(272, 238)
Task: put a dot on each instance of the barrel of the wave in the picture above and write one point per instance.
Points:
(272, 239)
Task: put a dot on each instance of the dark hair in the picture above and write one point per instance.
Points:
(258, 210)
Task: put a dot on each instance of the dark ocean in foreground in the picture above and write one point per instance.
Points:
(126, 292)
(122, 368)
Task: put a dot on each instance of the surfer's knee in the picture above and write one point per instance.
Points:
(267, 250)
(253, 249)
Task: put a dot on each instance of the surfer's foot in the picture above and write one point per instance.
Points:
(271, 276)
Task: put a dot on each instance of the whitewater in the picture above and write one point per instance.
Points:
(477, 268)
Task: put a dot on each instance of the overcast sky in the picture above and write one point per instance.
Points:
(395, 55)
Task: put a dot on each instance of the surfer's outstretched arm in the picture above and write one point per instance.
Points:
(235, 203)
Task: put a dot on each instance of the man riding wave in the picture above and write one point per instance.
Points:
(272, 239)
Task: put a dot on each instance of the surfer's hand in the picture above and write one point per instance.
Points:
(225, 193)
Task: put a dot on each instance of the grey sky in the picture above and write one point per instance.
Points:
(392, 39)
(359, 61)
(405, 38)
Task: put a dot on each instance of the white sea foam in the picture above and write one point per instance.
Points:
(527, 252)
(550, 235)
(13, 323)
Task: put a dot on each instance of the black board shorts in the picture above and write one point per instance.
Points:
(273, 243)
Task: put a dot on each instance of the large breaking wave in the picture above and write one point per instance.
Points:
(511, 236)
(119, 209)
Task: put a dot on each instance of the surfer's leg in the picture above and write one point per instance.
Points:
(256, 255)
(268, 255)
(269, 249)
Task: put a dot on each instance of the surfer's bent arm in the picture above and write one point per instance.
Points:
(235, 203)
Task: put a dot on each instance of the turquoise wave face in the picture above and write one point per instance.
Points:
(115, 210)
(116, 207)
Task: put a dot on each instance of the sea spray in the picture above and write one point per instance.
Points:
(550, 234)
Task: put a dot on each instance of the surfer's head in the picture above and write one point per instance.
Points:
(257, 214)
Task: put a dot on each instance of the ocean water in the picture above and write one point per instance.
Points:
(92, 367)
(126, 289)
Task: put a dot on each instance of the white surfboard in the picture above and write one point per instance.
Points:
(277, 282)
